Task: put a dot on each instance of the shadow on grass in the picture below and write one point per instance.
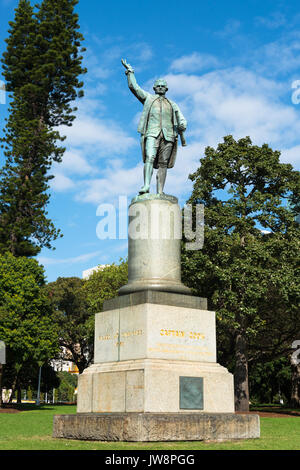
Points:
(276, 408)
(32, 406)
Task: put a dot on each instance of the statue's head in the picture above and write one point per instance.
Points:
(160, 86)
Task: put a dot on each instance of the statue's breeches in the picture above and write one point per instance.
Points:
(158, 151)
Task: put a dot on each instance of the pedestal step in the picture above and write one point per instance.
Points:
(147, 427)
(155, 385)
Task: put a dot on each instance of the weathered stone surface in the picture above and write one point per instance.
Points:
(152, 330)
(152, 386)
(155, 297)
(154, 247)
(147, 427)
(151, 196)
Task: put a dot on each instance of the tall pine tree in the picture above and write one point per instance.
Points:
(42, 65)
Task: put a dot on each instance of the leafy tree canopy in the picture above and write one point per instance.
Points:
(75, 302)
(249, 265)
(25, 313)
(73, 320)
(104, 284)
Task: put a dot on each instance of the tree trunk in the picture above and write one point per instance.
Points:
(19, 395)
(1, 368)
(13, 388)
(295, 393)
(18, 367)
(241, 388)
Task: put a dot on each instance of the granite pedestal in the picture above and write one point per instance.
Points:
(155, 375)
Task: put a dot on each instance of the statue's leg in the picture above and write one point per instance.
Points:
(165, 151)
(148, 171)
(161, 179)
(151, 149)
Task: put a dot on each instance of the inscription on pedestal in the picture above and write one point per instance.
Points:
(191, 393)
(155, 331)
(116, 336)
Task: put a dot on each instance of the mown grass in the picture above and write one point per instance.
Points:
(31, 429)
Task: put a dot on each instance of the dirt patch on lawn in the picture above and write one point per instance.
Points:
(9, 410)
(273, 414)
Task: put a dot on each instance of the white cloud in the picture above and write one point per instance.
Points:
(279, 57)
(61, 183)
(291, 155)
(46, 261)
(142, 52)
(103, 63)
(194, 62)
(186, 163)
(275, 20)
(115, 181)
(231, 28)
(73, 163)
(236, 101)
(104, 136)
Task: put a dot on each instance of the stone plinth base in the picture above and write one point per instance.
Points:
(155, 352)
(147, 427)
(155, 386)
(155, 325)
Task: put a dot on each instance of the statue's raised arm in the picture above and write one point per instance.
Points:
(133, 86)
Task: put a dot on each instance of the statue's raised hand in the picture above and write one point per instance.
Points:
(127, 67)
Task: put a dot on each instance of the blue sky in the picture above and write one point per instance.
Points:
(229, 65)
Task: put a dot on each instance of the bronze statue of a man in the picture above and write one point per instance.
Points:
(159, 126)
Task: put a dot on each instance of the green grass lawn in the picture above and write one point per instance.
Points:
(31, 429)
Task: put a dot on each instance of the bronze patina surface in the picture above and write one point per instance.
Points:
(160, 124)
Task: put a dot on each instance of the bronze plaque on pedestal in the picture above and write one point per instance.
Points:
(191, 393)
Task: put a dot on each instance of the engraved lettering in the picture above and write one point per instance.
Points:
(195, 335)
(127, 334)
(164, 332)
(105, 337)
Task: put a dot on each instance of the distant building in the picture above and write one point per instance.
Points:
(88, 272)
(6, 395)
(63, 364)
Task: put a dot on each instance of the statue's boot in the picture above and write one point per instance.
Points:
(161, 179)
(148, 171)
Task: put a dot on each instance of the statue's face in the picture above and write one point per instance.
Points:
(160, 87)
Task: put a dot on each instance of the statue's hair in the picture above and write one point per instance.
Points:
(160, 81)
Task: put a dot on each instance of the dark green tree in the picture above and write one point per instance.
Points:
(249, 265)
(27, 380)
(25, 318)
(66, 390)
(104, 284)
(41, 66)
(74, 304)
(270, 382)
(73, 319)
